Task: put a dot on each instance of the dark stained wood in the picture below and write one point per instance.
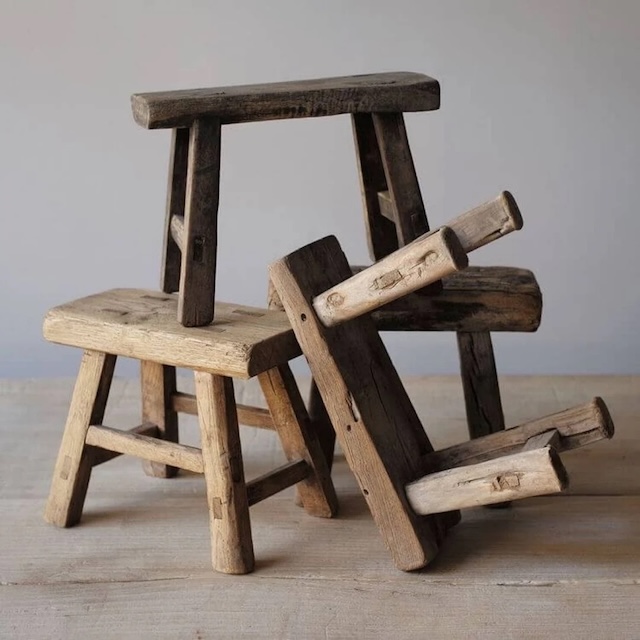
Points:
(480, 384)
(375, 422)
(158, 384)
(381, 232)
(176, 193)
(275, 481)
(198, 267)
(321, 423)
(394, 91)
(404, 190)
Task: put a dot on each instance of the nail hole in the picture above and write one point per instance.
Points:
(303, 317)
(348, 427)
(366, 493)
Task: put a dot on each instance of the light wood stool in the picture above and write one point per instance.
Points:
(243, 342)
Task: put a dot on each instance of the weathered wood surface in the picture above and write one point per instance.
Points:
(200, 229)
(375, 422)
(176, 197)
(474, 300)
(534, 472)
(383, 92)
(419, 264)
(137, 323)
(139, 560)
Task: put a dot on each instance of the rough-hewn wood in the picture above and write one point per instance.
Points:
(231, 543)
(549, 438)
(375, 422)
(275, 481)
(299, 440)
(402, 182)
(73, 466)
(157, 385)
(248, 416)
(396, 91)
(577, 427)
(141, 446)
(529, 473)
(381, 232)
(200, 236)
(176, 193)
(420, 263)
(321, 423)
(177, 233)
(141, 324)
(474, 300)
(480, 384)
(100, 456)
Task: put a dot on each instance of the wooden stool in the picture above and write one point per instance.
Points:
(414, 493)
(242, 343)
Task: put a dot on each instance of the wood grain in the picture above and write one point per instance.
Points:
(395, 91)
(176, 194)
(406, 270)
(200, 236)
(141, 446)
(231, 542)
(376, 425)
(474, 300)
(141, 324)
(277, 480)
(299, 440)
(529, 473)
(73, 465)
(480, 383)
(157, 386)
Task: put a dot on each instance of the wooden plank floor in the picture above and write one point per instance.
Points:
(138, 564)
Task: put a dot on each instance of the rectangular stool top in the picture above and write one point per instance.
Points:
(379, 92)
(135, 323)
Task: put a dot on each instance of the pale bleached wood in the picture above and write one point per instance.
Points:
(394, 91)
(248, 416)
(420, 263)
(480, 383)
(231, 542)
(529, 473)
(200, 235)
(474, 300)
(577, 427)
(157, 386)
(141, 324)
(376, 425)
(176, 191)
(487, 222)
(299, 440)
(549, 438)
(141, 446)
(177, 232)
(277, 480)
(73, 466)
(100, 456)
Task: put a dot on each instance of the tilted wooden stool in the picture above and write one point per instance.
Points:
(413, 492)
(243, 342)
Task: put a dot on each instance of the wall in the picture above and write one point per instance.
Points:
(538, 97)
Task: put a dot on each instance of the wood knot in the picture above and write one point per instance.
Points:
(506, 482)
(335, 299)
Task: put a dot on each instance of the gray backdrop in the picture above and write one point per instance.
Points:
(540, 97)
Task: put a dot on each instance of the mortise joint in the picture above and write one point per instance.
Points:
(198, 249)
(505, 482)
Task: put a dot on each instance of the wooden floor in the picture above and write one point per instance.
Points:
(138, 565)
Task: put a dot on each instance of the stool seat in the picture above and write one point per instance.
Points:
(375, 92)
(242, 342)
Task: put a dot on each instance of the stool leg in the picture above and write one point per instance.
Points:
(158, 383)
(73, 466)
(480, 384)
(322, 423)
(299, 440)
(231, 544)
